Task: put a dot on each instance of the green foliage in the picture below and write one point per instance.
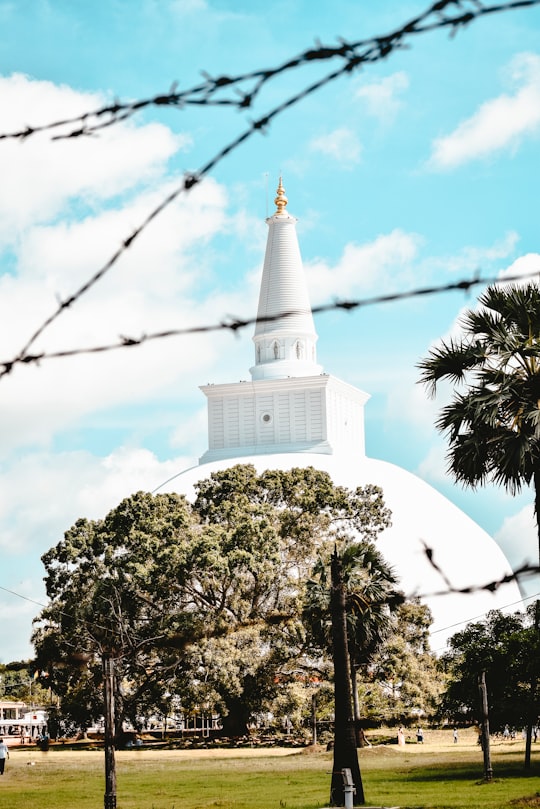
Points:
(203, 601)
(493, 428)
(18, 682)
(110, 585)
(371, 596)
(403, 681)
(507, 648)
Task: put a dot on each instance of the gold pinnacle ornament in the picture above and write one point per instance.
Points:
(281, 200)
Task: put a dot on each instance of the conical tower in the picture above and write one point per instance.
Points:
(290, 405)
(285, 337)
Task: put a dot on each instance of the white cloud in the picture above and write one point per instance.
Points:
(526, 266)
(195, 427)
(341, 145)
(163, 281)
(153, 288)
(40, 175)
(433, 467)
(498, 124)
(518, 538)
(381, 264)
(381, 97)
(43, 493)
(472, 257)
(18, 612)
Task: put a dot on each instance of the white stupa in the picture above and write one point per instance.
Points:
(292, 414)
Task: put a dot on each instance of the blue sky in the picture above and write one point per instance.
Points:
(421, 169)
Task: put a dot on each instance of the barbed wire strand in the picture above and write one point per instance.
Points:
(491, 587)
(235, 324)
(202, 94)
(377, 48)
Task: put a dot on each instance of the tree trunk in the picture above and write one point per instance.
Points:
(356, 707)
(345, 752)
(235, 721)
(314, 718)
(484, 738)
(536, 481)
(533, 711)
(109, 801)
(532, 714)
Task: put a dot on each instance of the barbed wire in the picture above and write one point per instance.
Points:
(235, 324)
(353, 55)
(491, 586)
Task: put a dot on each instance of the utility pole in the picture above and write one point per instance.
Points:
(345, 752)
(484, 737)
(110, 762)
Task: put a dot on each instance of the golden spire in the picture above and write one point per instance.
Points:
(281, 200)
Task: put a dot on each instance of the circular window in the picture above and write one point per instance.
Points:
(266, 418)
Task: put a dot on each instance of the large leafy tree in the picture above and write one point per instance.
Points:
(169, 589)
(299, 514)
(493, 427)
(111, 596)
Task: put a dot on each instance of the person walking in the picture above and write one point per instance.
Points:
(4, 753)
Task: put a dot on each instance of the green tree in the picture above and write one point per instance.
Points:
(297, 515)
(505, 647)
(493, 428)
(168, 589)
(159, 591)
(403, 681)
(19, 682)
(109, 586)
(371, 598)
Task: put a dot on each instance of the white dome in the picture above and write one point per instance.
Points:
(421, 517)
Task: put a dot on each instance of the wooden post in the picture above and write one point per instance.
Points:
(488, 772)
(314, 717)
(110, 763)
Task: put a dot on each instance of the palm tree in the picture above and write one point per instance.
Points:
(493, 427)
(349, 612)
(371, 600)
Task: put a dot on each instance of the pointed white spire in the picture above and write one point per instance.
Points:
(284, 346)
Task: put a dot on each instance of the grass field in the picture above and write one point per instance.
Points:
(436, 775)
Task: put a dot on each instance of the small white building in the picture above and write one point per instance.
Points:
(19, 725)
